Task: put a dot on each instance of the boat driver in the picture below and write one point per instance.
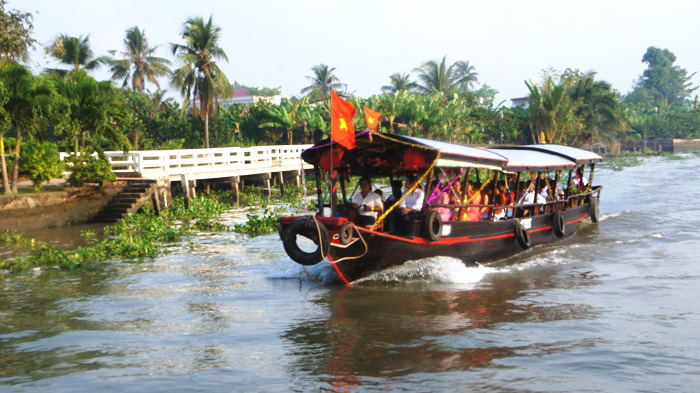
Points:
(367, 203)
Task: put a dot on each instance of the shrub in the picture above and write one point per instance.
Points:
(41, 161)
(86, 168)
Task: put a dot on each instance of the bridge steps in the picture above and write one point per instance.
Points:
(136, 193)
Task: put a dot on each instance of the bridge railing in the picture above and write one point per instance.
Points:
(227, 161)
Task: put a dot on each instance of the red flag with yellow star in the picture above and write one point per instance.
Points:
(342, 129)
(372, 119)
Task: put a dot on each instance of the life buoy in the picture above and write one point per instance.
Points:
(305, 226)
(559, 224)
(594, 209)
(432, 226)
(522, 236)
(345, 233)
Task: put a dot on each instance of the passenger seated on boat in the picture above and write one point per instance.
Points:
(395, 194)
(473, 197)
(500, 199)
(529, 198)
(367, 203)
(390, 220)
(444, 199)
(485, 198)
(455, 198)
(412, 204)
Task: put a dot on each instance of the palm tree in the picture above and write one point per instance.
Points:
(322, 81)
(199, 77)
(280, 117)
(74, 52)
(90, 109)
(399, 82)
(435, 77)
(139, 65)
(29, 101)
(465, 75)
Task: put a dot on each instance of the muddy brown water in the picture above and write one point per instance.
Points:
(613, 308)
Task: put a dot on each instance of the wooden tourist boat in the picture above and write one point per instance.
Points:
(355, 251)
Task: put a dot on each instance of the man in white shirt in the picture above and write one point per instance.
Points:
(367, 203)
(413, 202)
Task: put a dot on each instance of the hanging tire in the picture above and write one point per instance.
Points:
(432, 226)
(280, 230)
(345, 233)
(522, 236)
(559, 224)
(306, 227)
(594, 209)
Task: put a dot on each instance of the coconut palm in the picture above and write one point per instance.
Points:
(465, 75)
(399, 82)
(200, 78)
(434, 77)
(139, 65)
(74, 52)
(29, 101)
(90, 109)
(322, 81)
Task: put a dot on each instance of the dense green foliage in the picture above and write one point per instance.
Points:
(86, 168)
(41, 161)
(443, 101)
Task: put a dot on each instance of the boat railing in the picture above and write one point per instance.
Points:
(567, 202)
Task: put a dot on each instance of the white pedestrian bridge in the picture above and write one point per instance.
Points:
(201, 164)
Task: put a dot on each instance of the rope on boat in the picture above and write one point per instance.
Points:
(324, 258)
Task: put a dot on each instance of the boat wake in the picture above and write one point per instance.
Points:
(437, 269)
(288, 269)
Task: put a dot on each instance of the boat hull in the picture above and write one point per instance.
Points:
(471, 242)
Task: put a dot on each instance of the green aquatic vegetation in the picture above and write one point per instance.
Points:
(620, 163)
(258, 225)
(12, 237)
(136, 237)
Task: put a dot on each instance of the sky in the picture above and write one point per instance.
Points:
(275, 43)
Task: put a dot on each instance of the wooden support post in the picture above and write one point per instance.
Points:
(185, 190)
(297, 177)
(267, 185)
(193, 189)
(281, 184)
(155, 201)
(234, 186)
(165, 199)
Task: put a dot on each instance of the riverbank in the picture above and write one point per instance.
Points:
(69, 206)
(142, 235)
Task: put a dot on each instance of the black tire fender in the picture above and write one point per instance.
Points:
(432, 226)
(594, 209)
(306, 227)
(522, 236)
(559, 224)
(345, 233)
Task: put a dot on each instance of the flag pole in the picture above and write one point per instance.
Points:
(330, 170)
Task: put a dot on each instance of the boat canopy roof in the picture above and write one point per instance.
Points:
(520, 160)
(378, 154)
(579, 156)
(452, 155)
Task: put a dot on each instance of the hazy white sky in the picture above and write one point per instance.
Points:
(275, 43)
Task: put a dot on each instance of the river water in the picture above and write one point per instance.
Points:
(613, 308)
